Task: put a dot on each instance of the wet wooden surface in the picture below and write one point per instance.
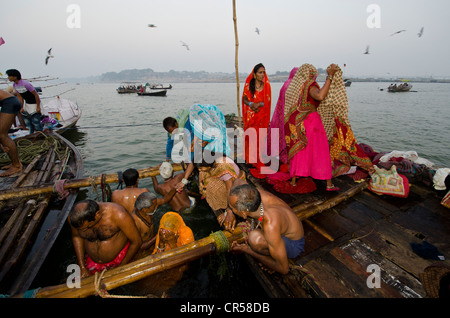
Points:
(365, 230)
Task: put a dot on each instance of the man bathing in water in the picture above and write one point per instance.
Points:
(180, 200)
(105, 232)
(280, 235)
(10, 107)
(127, 197)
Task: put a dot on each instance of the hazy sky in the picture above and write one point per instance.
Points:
(97, 36)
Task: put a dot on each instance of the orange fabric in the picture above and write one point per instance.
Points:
(172, 221)
(260, 119)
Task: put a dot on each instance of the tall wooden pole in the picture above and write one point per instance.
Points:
(236, 63)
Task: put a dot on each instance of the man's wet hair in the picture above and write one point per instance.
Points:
(144, 200)
(130, 177)
(169, 122)
(248, 197)
(83, 211)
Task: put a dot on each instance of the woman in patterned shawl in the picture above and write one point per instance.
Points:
(306, 140)
(256, 102)
(344, 150)
(215, 181)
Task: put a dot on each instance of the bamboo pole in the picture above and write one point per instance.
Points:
(142, 268)
(236, 63)
(77, 183)
(155, 263)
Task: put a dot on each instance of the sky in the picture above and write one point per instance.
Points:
(89, 38)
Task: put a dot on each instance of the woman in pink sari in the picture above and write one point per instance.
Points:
(305, 137)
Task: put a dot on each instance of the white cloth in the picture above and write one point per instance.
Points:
(411, 155)
(439, 178)
(165, 170)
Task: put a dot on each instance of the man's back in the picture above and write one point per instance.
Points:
(127, 197)
(180, 200)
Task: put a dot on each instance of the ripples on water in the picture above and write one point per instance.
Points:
(117, 132)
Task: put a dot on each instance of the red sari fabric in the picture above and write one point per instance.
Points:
(256, 120)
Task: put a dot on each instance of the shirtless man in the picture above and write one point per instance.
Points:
(144, 210)
(126, 197)
(180, 200)
(106, 232)
(10, 107)
(280, 234)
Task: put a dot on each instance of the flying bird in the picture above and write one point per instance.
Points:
(420, 32)
(398, 32)
(152, 26)
(367, 50)
(257, 30)
(49, 55)
(184, 44)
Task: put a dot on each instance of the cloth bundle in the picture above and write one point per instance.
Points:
(389, 182)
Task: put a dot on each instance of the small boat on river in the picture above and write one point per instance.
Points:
(152, 92)
(58, 114)
(405, 87)
(30, 224)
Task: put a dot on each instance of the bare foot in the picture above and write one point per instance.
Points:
(11, 171)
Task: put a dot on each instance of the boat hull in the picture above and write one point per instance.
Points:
(20, 262)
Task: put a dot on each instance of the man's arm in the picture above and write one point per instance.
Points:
(127, 225)
(156, 185)
(78, 245)
(167, 197)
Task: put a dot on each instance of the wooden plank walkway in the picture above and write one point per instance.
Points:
(365, 230)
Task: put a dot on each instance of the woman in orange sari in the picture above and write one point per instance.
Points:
(256, 102)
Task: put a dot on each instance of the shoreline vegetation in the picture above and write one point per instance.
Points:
(149, 75)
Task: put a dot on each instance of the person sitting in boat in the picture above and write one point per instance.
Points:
(142, 214)
(10, 107)
(181, 200)
(215, 181)
(31, 108)
(104, 235)
(126, 197)
(172, 233)
(277, 236)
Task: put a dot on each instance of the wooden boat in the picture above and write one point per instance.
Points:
(405, 87)
(346, 233)
(150, 92)
(347, 82)
(29, 224)
(128, 88)
(58, 114)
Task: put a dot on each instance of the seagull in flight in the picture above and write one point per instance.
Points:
(257, 30)
(398, 32)
(420, 32)
(367, 50)
(49, 55)
(184, 44)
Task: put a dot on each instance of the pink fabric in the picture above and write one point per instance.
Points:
(228, 176)
(314, 160)
(278, 122)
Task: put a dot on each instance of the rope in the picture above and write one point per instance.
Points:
(120, 177)
(93, 186)
(106, 189)
(222, 243)
(28, 149)
(102, 292)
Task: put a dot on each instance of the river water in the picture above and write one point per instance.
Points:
(119, 131)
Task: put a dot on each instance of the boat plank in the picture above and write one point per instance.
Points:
(330, 285)
(393, 243)
(407, 285)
